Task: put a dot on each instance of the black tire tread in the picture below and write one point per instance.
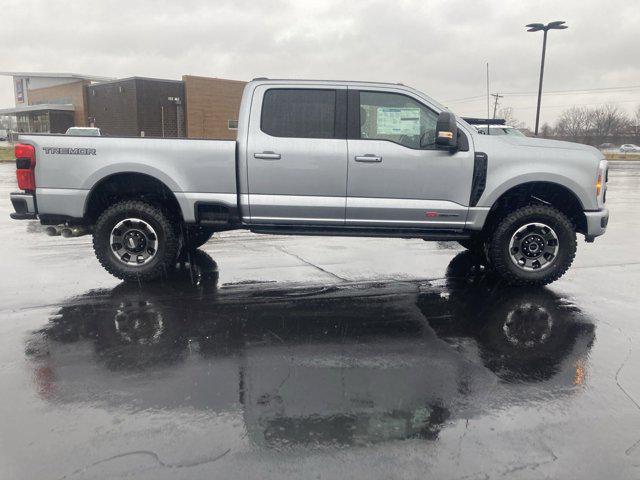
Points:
(171, 240)
(495, 246)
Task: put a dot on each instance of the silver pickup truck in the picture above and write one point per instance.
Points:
(320, 158)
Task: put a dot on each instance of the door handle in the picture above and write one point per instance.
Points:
(368, 158)
(267, 156)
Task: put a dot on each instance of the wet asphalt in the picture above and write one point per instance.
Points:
(298, 357)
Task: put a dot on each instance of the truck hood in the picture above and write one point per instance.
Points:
(541, 143)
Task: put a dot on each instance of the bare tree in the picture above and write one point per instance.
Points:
(546, 131)
(574, 123)
(506, 113)
(608, 121)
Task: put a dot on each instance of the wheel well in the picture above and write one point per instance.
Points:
(121, 186)
(532, 193)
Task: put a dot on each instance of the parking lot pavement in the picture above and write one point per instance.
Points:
(302, 357)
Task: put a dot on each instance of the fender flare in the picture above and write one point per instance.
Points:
(102, 176)
(489, 198)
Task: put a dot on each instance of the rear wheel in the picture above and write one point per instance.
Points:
(533, 245)
(136, 241)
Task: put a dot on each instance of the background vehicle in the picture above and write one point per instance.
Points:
(321, 158)
(499, 130)
(493, 126)
(3, 135)
(606, 146)
(83, 131)
(629, 147)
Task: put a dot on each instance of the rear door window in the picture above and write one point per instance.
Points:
(300, 113)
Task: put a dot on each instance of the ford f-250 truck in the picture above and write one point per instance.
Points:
(320, 158)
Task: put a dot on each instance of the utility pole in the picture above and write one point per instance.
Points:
(496, 96)
(487, 89)
(488, 100)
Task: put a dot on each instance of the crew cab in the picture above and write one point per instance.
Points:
(320, 158)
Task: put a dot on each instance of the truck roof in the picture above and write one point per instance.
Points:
(361, 84)
(329, 81)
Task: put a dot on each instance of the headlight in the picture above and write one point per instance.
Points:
(601, 182)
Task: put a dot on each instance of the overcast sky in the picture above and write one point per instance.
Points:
(439, 47)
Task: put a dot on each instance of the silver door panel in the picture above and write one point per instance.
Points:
(407, 173)
(293, 209)
(405, 212)
(393, 185)
(293, 180)
(407, 187)
(307, 166)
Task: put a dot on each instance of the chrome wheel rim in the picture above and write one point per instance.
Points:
(133, 242)
(534, 247)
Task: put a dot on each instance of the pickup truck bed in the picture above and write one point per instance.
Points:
(194, 170)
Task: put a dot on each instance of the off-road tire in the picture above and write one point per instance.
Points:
(164, 224)
(498, 247)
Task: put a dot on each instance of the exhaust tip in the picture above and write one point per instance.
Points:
(76, 231)
(52, 231)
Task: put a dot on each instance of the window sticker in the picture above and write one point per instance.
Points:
(398, 121)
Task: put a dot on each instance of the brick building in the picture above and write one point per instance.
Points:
(212, 106)
(137, 107)
(194, 107)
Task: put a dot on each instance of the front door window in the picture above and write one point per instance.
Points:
(397, 118)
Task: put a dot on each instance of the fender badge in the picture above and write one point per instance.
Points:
(69, 151)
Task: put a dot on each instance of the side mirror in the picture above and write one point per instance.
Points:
(447, 132)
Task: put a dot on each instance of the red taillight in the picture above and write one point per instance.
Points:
(25, 166)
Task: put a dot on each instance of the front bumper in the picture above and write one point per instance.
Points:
(596, 223)
(24, 205)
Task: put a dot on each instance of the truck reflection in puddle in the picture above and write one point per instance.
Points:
(349, 364)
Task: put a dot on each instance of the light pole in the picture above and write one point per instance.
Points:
(536, 27)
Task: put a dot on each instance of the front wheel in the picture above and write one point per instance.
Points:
(533, 245)
(136, 241)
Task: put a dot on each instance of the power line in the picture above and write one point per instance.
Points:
(579, 104)
(594, 103)
(582, 91)
(579, 91)
(583, 104)
(465, 99)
